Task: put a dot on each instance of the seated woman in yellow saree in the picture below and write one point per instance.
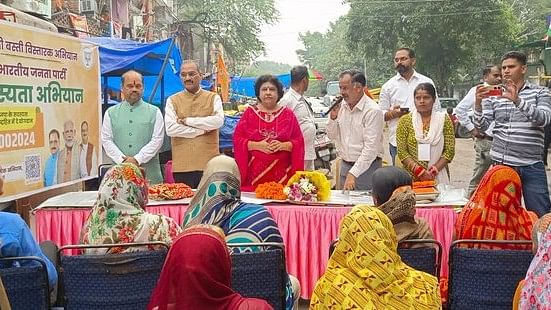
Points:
(366, 272)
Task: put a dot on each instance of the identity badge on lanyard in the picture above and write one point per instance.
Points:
(423, 151)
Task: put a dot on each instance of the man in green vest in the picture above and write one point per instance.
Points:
(133, 130)
(192, 118)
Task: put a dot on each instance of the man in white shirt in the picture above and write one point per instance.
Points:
(88, 160)
(397, 93)
(356, 126)
(483, 140)
(133, 130)
(294, 100)
(192, 118)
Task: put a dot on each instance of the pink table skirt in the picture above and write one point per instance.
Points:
(62, 226)
(307, 232)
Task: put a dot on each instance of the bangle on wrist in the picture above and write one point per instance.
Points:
(418, 170)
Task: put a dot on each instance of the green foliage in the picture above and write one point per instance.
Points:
(445, 35)
(329, 53)
(314, 88)
(266, 67)
(234, 24)
(453, 40)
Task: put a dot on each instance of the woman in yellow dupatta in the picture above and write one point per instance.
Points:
(366, 272)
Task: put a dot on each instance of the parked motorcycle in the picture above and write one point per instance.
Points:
(325, 151)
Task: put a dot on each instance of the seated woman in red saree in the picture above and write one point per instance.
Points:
(268, 142)
(197, 275)
(494, 211)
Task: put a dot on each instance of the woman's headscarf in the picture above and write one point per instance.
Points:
(217, 194)
(118, 215)
(197, 275)
(539, 229)
(536, 292)
(392, 189)
(494, 211)
(366, 272)
(217, 202)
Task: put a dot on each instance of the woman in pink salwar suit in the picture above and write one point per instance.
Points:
(268, 142)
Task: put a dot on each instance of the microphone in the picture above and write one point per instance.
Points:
(335, 103)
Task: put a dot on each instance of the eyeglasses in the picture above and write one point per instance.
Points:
(188, 74)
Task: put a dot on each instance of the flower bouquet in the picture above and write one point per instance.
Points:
(270, 190)
(308, 186)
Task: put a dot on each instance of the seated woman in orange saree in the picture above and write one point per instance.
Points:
(494, 211)
(268, 142)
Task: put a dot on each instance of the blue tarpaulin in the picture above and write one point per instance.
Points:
(119, 55)
(244, 86)
(226, 131)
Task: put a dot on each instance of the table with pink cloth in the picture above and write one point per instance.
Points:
(307, 231)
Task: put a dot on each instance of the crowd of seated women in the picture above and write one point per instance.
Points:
(119, 216)
(364, 271)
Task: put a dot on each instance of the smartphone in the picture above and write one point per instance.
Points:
(494, 90)
(404, 109)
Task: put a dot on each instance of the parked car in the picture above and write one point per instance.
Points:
(446, 103)
(318, 106)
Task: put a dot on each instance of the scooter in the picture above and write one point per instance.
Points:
(325, 151)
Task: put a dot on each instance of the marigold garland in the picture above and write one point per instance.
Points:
(318, 179)
(270, 190)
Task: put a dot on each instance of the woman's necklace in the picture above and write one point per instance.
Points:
(426, 126)
(268, 114)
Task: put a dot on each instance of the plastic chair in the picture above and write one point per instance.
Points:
(484, 278)
(261, 274)
(27, 287)
(427, 259)
(111, 281)
(102, 170)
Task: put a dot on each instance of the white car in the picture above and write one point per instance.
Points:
(319, 109)
(317, 106)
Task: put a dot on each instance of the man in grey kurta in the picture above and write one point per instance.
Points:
(133, 130)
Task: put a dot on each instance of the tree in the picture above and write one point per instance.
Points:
(331, 54)
(266, 67)
(450, 37)
(234, 24)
